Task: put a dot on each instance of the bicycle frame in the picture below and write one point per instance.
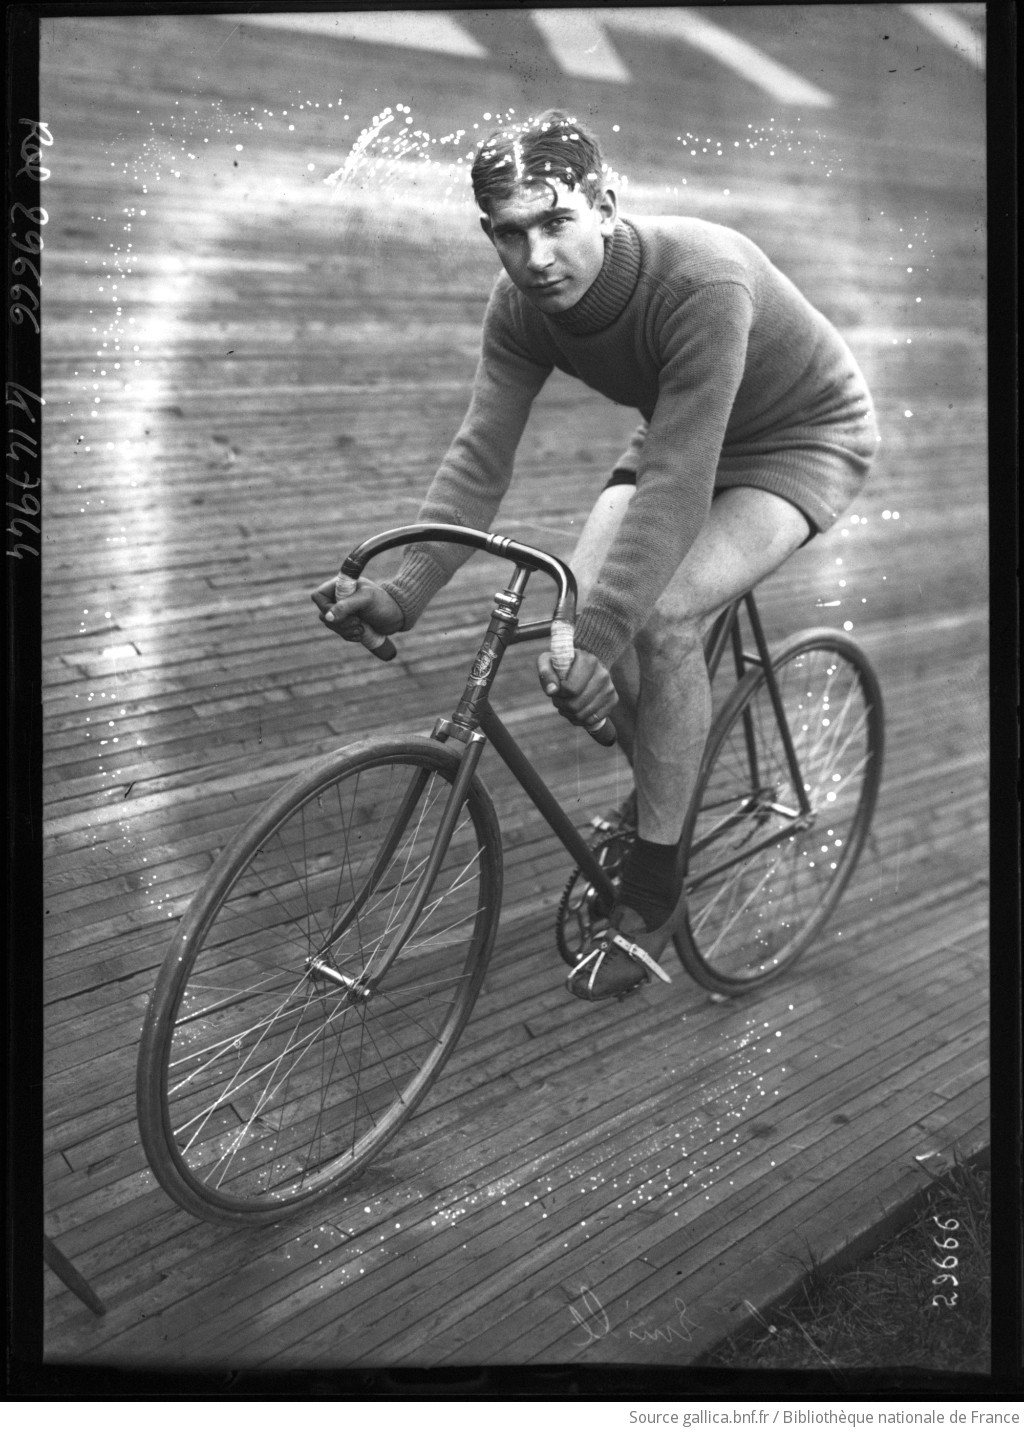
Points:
(474, 721)
(726, 628)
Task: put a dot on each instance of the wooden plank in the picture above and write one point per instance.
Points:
(868, 1061)
(355, 1346)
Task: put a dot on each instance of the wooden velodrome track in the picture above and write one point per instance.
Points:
(247, 372)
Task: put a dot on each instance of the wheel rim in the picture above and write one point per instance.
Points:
(288, 1065)
(763, 876)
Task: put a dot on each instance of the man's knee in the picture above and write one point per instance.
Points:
(667, 641)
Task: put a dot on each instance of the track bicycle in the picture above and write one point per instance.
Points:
(328, 963)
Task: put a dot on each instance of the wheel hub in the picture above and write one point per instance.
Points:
(318, 969)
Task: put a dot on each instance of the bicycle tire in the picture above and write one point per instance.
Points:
(761, 885)
(264, 1081)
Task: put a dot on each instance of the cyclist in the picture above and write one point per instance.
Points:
(756, 431)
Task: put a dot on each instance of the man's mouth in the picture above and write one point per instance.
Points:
(548, 286)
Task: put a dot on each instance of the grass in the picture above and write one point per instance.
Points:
(886, 1310)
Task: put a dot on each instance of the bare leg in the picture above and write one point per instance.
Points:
(664, 696)
(673, 719)
(586, 562)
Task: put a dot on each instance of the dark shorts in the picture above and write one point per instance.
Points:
(819, 470)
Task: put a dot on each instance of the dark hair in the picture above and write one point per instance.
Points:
(552, 146)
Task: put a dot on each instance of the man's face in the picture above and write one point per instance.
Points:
(551, 241)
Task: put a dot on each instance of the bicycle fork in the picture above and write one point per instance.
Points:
(463, 725)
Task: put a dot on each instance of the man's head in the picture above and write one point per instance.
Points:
(545, 207)
(553, 146)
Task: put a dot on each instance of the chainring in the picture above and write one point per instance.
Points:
(581, 913)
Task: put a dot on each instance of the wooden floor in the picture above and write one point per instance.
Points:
(244, 377)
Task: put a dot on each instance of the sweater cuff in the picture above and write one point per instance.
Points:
(604, 636)
(417, 581)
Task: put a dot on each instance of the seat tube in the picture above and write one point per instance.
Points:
(795, 773)
(749, 735)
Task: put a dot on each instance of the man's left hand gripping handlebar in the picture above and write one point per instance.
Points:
(580, 687)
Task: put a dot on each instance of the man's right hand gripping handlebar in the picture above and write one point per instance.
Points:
(359, 610)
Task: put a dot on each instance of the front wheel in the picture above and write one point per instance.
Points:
(287, 1039)
(763, 869)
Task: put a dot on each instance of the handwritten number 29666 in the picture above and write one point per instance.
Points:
(32, 244)
(947, 1300)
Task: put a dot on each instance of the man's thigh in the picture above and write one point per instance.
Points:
(748, 535)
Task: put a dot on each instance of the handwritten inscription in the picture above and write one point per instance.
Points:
(591, 1318)
(25, 244)
(32, 149)
(25, 298)
(946, 1277)
(678, 1328)
(26, 505)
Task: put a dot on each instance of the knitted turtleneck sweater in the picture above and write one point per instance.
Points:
(691, 324)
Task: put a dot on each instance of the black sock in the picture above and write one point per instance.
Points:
(650, 884)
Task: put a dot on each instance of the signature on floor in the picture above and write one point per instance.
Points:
(589, 1315)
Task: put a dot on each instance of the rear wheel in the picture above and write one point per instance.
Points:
(281, 1049)
(761, 875)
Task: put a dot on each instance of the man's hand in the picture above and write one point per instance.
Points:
(584, 694)
(369, 605)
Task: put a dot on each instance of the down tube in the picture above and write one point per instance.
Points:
(533, 785)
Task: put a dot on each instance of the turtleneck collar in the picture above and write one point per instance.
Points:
(608, 295)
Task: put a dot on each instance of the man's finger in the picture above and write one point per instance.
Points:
(346, 609)
(338, 616)
(548, 678)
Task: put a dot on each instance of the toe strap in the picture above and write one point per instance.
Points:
(638, 953)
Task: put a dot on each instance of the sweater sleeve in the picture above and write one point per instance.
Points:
(477, 469)
(630, 459)
(702, 343)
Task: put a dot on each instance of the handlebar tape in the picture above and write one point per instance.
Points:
(563, 653)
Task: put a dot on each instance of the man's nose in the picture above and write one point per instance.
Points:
(539, 256)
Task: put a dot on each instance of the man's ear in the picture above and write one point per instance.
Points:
(608, 208)
(485, 224)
